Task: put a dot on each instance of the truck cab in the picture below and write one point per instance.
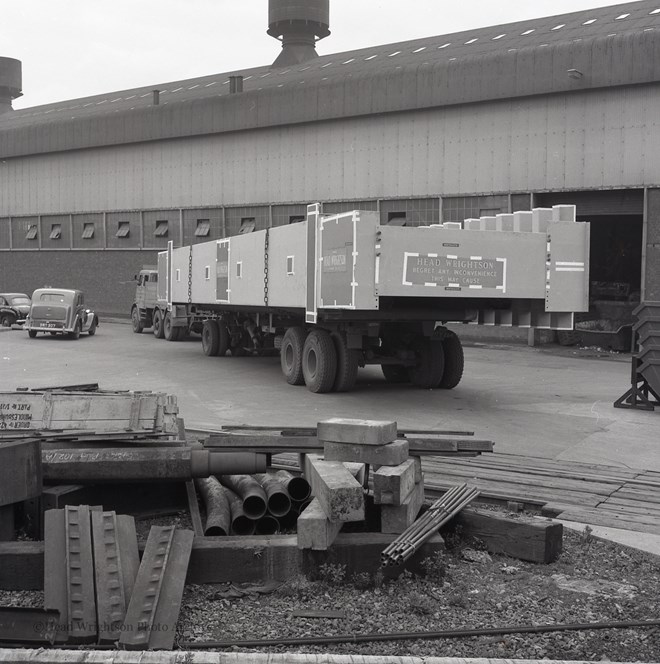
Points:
(145, 298)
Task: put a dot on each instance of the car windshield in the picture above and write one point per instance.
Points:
(18, 301)
(60, 298)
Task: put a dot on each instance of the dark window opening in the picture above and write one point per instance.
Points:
(396, 219)
(248, 224)
(203, 228)
(55, 231)
(88, 231)
(31, 232)
(123, 229)
(162, 229)
(296, 218)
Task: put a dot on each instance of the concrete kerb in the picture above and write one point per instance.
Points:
(43, 656)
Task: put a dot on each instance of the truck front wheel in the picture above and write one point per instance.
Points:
(291, 355)
(170, 332)
(210, 338)
(158, 324)
(319, 362)
(135, 321)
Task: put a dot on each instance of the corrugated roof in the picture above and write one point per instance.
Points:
(640, 16)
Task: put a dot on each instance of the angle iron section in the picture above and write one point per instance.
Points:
(141, 611)
(110, 600)
(81, 597)
(28, 625)
(55, 578)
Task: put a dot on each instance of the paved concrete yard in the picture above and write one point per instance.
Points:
(555, 404)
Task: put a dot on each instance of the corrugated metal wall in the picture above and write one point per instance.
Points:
(582, 140)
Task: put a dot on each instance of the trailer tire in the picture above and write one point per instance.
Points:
(454, 361)
(428, 371)
(158, 324)
(395, 373)
(210, 338)
(319, 362)
(223, 339)
(170, 332)
(135, 321)
(32, 334)
(291, 355)
(347, 364)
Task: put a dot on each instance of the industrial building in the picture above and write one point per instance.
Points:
(555, 110)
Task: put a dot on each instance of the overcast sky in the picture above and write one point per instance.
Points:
(76, 48)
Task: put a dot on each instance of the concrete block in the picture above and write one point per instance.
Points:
(391, 454)
(397, 519)
(358, 470)
(361, 432)
(315, 530)
(340, 494)
(393, 484)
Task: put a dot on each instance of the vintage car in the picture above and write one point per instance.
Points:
(14, 307)
(60, 311)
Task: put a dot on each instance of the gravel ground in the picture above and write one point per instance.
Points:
(466, 588)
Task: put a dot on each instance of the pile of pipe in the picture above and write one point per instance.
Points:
(262, 504)
(443, 509)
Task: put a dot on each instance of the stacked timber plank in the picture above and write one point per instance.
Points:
(103, 594)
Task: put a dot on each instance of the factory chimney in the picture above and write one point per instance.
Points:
(298, 24)
(11, 82)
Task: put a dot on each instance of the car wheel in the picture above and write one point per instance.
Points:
(158, 324)
(32, 334)
(291, 355)
(210, 338)
(92, 328)
(319, 362)
(136, 322)
(7, 320)
(347, 364)
(76, 331)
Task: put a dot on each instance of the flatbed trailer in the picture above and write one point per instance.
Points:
(336, 292)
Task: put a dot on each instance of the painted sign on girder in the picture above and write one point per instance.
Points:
(454, 272)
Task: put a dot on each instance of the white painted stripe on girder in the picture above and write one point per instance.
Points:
(377, 277)
(452, 257)
(570, 269)
(476, 258)
(503, 286)
(476, 287)
(570, 263)
(547, 275)
(454, 285)
(433, 255)
(430, 283)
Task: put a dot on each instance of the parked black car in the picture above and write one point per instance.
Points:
(14, 307)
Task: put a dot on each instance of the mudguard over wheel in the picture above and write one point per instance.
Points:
(136, 322)
(76, 330)
(347, 364)
(291, 355)
(210, 338)
(454, 361)
(395, 373)
(92, 327)
(319, 362)
(158, 324)
(428, 371)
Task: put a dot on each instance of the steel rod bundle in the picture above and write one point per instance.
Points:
(443, 509)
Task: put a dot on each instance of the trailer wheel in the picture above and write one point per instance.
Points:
(319, 362)
(158, 324)
(210, 338)
(135, 321)
(170, 332)
(428, 371)
(223, 339)
(32, 334)
(291, 355)
(395, 373)
(454, 361)
(347, 364)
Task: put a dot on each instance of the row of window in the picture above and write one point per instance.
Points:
(123, 228)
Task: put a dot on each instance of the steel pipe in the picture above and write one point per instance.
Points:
(277, 498)
(218, 516)
(267, 525)
(297, 487)
(255, 503)
(240, 524)
(145, 464)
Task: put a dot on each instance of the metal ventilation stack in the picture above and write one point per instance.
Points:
(11, 82)
(298, 24)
